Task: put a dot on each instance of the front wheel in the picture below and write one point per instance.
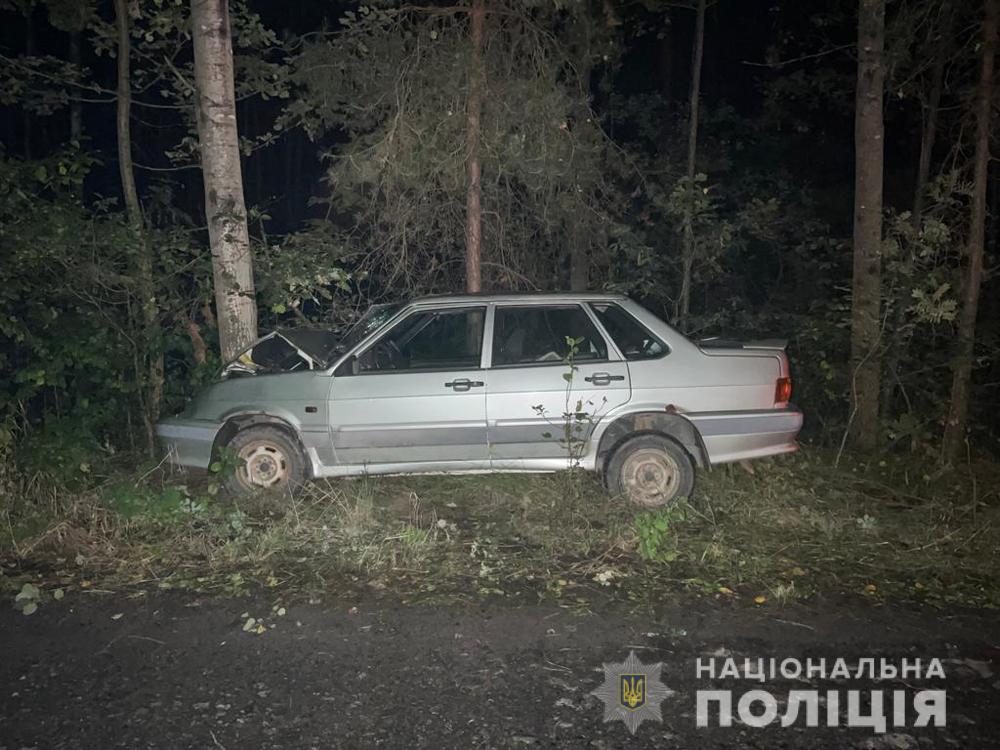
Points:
(268, 460)
(651, 471)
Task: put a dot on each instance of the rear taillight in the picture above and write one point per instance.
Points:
(783, 391)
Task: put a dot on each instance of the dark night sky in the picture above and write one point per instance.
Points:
(283, 177)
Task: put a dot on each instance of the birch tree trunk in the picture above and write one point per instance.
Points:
(687, 237)
(149, 353)
(225, 208)
(866, 287)
(473, 167)
(958, 409)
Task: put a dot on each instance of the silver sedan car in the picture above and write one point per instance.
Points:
(499, 383)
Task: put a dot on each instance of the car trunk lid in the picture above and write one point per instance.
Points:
(730, 347)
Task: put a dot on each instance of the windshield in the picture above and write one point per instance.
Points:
(375, 318)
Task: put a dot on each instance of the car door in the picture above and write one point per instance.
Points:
(537, 415)
(415, 396)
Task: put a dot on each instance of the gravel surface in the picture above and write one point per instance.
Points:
(171, 670)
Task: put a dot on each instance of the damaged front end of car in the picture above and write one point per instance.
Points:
(291, 350)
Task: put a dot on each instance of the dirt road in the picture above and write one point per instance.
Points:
(169, 670)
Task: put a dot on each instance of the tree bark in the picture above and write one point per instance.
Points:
(149, 358)
(225, 208)
(473, 167)
(866, 286)
(687, 237)
(958, 408)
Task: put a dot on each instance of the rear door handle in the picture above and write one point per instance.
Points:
(603, 378)
(464, 384)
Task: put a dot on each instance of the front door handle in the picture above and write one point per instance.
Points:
(464, 384)
(603, 378)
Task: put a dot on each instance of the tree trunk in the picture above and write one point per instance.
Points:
(579, 272)
(225, 208)
(687, 244)
(927, 140)
(928, 137)
(580, 234)
(961, 365)
(29, 50)
(75, 106)
(197, 342)
(867, 281)
(579, 257)
(473, 167)
(149, 359)
(667, 62)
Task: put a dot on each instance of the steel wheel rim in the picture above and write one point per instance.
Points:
(650, 477)
(263, 464)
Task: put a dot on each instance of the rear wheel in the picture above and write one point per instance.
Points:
(651, 471)
(269, 460)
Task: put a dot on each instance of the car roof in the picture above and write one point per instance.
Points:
(519, 297)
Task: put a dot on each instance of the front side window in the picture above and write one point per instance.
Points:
(630, 336)
(432, 340)
(539, 335)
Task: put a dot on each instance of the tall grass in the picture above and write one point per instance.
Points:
(792, 528)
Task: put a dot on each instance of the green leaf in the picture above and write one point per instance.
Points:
(28, 591)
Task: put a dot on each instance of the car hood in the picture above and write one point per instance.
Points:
(316, 343)
(318, 346)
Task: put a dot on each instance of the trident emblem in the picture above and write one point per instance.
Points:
(633, 691)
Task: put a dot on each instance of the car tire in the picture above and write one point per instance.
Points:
(271, 461)
(651, 471)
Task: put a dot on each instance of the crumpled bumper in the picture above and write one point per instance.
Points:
(188, 442)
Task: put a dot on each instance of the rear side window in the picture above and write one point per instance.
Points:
(634, 340)
(538, 335)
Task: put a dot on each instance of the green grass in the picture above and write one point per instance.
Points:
(795, 528)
